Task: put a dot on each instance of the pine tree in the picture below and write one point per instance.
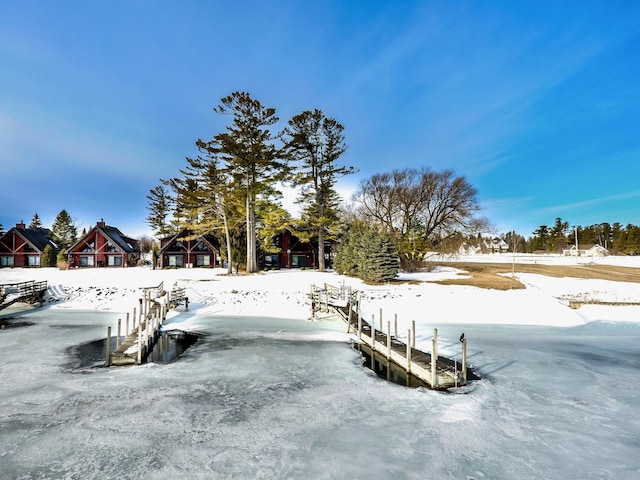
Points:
(159, 206)
(1, 230)
(35, 222)
(206, 201)
(316, 143)
(48, 257)
(63, 231)
(368, 253)
(251, 157)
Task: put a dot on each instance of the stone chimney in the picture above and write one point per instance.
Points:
(20, 226)
(101, 223)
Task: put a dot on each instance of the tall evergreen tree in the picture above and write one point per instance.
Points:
(35, 222)
(316, 143)
(64, 231)
(207, 198)
(159, 206)
(1, 230)
(251, 157)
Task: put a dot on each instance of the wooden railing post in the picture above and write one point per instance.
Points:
(395, 325)
(413, 334)
(388, 339)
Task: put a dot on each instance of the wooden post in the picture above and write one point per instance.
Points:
(139, 343)
(373, 332)
(464, 361)
(395, 325)
(126, 327)
(413, 334)
(141, 313)
(408, 351)
(434, 359)
(134, 317)
(349, 316)
(186, 303)
(388, 339)
(381, 327)
(359, 324)
(119, 332)
(107, 361)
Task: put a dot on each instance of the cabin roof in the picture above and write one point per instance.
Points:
(126, 244)
(39, 238)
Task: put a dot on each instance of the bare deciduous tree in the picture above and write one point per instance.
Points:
(418, 208)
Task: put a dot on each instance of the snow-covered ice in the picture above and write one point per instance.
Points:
(266, 393)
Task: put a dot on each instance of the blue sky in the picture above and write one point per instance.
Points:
(537, 104)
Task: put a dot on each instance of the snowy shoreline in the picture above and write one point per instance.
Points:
(283, 294)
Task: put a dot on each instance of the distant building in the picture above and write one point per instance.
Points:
(585, 251)
(103, 246)
(185, 249)
(24, 247)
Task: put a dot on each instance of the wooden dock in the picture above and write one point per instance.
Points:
(144, 327)
(441, 374)
(23, 292)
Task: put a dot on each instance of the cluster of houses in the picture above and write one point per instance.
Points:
(498, 245)
(106, 246)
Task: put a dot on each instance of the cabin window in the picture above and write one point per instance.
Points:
(86, 261)
(89, 247)
(6, 261)
(272, 260)
(298, 260)
(111, 247)
(33, 260)
(203, 260)
(202, 247)
(113, 261)
(176, 260)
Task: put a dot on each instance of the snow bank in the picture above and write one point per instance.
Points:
(283, 293)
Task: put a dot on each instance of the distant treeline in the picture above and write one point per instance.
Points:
(618, 239)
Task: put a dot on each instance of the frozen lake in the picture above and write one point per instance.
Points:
(261, 398)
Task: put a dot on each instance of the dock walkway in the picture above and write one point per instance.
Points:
(441, 374)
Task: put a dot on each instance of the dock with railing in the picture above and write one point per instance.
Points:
(31, 292)
(434, 370)
(142, 329)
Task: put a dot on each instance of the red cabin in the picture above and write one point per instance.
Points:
(23, 247)
(294, 253)
(104, 246)
(185, 249)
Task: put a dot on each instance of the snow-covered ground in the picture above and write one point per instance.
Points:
(269, 394)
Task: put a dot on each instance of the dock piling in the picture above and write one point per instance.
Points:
(464, 360)
(408, 351)
(434, 358)
(107, 361)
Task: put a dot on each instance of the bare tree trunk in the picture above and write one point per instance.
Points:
(321, 263)
(227, 237)
(252, 266)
